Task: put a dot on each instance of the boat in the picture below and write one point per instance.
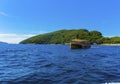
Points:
(79, 43)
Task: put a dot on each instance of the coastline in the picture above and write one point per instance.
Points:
(111, 44)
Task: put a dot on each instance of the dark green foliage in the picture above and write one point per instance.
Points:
(95, 36)
(112, 40)
(65, 36)
(115, 40)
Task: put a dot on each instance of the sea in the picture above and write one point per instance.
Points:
(58, 64)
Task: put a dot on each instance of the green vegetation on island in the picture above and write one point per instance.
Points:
(65, 36)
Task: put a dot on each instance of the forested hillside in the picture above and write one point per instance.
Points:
(65, 36)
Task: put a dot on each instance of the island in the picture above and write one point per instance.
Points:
(65, 36)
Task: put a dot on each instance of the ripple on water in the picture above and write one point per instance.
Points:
(57, 64)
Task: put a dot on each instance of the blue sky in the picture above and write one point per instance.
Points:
(20, 19)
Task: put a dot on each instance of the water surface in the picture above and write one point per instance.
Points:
(58, 64)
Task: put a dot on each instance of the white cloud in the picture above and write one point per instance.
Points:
(3, 13)
(8, 35)
(14, 38)
(29, 35)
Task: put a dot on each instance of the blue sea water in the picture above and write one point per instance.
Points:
(58, 64)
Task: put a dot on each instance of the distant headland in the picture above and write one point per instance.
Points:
(3, 42)
(65, 36)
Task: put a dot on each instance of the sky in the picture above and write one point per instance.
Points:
(21, 19)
